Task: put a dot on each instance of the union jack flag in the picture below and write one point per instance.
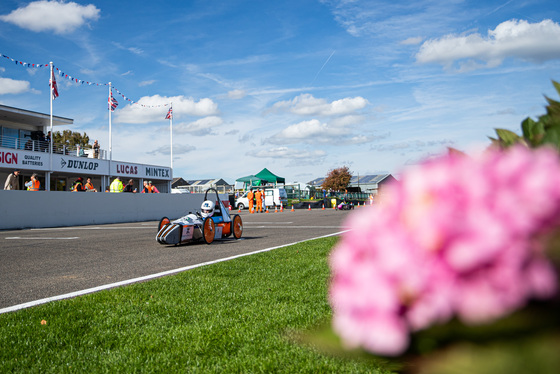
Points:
(112, 102)
(54, 88)
(169, 113)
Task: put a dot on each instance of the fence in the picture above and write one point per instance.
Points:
(39, 145)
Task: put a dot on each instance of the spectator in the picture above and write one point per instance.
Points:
(48, 142)
(95, 149)
(130, 186)
(116, 186)
(258, 199)
(146, 188)
(107, 189)
(12, 182)
(250, 197)
(33, 184)
(78, 185)
(152, 187)
(89, 186)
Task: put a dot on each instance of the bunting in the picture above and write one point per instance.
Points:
(76, 80)
(25, 64)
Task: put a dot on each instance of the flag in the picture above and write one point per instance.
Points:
(169, 113)
(112, 102)
(54, 88)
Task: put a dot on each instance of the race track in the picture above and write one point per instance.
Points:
(39, 264)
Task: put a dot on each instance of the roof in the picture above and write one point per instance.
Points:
(16, 116)
(357, 179)
(268, 176)
(179, 182)
(208, 182)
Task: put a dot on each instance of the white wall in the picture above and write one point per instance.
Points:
(26, 209)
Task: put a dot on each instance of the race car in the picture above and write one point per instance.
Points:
(213, 222)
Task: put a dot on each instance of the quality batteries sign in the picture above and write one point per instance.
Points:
(24, 160)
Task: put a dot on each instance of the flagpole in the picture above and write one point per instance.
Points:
(110, 132)
(171, 134)
(48, 181)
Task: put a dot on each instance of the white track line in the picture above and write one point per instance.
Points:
(39, 238)
(147, 277)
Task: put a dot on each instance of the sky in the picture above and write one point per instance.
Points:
(300, 87)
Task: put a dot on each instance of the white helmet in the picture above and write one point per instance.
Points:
(207, 208)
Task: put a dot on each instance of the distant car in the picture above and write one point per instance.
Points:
(195, 228)
(273, 197)
(345, 206)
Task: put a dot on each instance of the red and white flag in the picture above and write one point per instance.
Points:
(54, 88)
(169, 113)
(112, 102)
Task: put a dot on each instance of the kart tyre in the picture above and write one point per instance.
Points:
(237, 226)
(208, 230)
(241, 206)
(162, 222)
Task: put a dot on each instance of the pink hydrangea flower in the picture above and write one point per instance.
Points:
(456, 236)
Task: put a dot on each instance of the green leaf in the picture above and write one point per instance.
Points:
(507, 137)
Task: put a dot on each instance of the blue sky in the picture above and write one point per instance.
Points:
(297, 86)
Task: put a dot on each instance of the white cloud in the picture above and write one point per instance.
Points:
(55, 16)
(313, 132)
(146, 83)
(237, 94)
(154, 108)
(412, 41)
(307, 105)
(200, 127)
(535, 42)
(287, 153)
(177, 149)
(11, 86)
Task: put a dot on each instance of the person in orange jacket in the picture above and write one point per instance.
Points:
(250, 197)
(258, 198)
(33, 184)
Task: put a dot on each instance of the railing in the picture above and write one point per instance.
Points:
(202, 189)
(35, 145)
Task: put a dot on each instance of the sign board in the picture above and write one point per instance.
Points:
(40, 161)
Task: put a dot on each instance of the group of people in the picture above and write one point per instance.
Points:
(79, 185)
(12, 182)
(117, 187)
(38, 142)
(256, 198)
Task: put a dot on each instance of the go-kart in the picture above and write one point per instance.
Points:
(345, 206)
(194, 228)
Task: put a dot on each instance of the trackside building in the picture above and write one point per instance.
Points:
(24, 147)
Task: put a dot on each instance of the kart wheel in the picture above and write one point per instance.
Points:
(237, 226)
(241, 206)
(162, 222)
(208, 230)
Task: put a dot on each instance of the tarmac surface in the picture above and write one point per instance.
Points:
(37, 264)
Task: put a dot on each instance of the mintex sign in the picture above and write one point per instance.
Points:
(140, 171)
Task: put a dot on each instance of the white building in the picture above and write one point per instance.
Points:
(23, 147)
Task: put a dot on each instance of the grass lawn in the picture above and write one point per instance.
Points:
(234, 316)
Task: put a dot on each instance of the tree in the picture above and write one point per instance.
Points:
(71, 139)
(337, 179)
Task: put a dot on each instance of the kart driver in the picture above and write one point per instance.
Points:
(207, 208)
